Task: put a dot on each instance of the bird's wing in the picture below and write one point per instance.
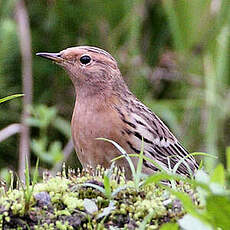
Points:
(159, 143)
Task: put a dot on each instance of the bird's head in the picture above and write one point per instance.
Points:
(87, 66)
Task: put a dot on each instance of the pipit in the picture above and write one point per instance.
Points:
(105, 108)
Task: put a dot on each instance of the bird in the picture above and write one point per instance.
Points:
(106, 108)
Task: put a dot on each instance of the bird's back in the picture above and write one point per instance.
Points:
(141, 124)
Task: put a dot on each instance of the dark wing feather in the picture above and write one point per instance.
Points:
(159, 143)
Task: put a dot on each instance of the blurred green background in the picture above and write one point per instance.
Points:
(174, 55)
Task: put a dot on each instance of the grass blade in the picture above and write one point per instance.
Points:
(99, 188)
(147, 159)
(107, 187)
(10, 97)
(140, 163)
(131, 165)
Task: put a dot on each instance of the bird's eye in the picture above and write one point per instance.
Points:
(85, 59)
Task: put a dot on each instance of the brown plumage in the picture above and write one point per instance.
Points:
(106, 108)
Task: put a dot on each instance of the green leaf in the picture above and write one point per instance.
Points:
(107, 187)
(63, 126)
(228, 158)
(218, 209)
(146, 220)
(218, 175)
(33, 122)
(169, 226)
(10, 97)
(187, 202)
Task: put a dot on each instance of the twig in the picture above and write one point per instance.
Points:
(22, 21)
(9, 131)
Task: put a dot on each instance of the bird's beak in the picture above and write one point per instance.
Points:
(52, 56)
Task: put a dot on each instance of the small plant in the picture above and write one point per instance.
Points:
(4, 171)
(138, 178)
(136, 173)
(202, 201)
(208, 189)
(107, 190)
(27, 188)
(43, 118)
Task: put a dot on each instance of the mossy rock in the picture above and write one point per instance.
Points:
(70, 201)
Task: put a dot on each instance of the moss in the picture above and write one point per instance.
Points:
(58, 203)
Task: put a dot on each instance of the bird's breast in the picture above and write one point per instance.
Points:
(89, 122)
